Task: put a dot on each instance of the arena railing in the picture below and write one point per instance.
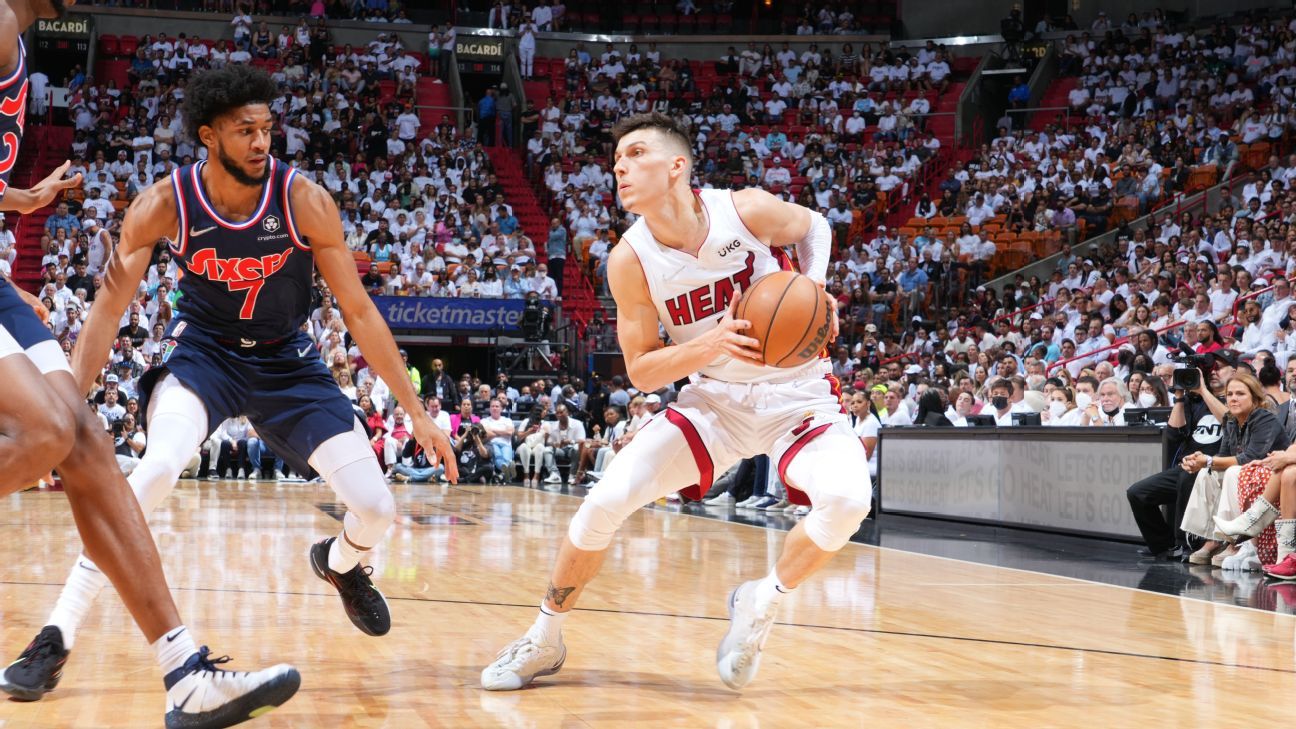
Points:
(1117, 344)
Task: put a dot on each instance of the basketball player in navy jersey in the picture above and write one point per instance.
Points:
(247, 232)
(44, 423)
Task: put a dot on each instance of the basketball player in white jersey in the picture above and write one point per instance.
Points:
(683, 264)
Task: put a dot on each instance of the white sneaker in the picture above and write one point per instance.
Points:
(279, 475)
(521, 662)
(553, 477)
(790, 508)
(673, 497)
(254, 476)
(747, 502)
(723, 499)
(738, 656)
(801, 511)
(201, 695)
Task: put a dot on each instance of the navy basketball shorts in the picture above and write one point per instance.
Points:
(21, 332)
(282, 387)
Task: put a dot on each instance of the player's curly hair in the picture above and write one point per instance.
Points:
(210, 94)
(664, 124)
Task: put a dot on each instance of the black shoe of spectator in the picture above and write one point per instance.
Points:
(1172, 554)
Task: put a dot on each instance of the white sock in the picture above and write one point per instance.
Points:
(174, 648)
(342, 555)
(769, 590)
(83, 585)
(548, 626)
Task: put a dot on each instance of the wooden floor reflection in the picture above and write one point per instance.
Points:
(880, 638)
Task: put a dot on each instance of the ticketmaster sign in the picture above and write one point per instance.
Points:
(450, 315)
(1067, 479)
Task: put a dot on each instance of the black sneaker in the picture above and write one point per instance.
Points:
(364, 604)
(38, 669)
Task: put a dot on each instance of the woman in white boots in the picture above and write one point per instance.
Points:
(1260, 486)
(1250, 432)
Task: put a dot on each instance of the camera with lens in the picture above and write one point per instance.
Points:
(1187, 379)
(535, 319)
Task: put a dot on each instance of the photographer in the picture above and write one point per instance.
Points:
(474, 455)
(414, 465)
(128, 443)
(1194, 429)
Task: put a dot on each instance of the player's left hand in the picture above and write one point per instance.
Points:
(47, 189)
(435, 440)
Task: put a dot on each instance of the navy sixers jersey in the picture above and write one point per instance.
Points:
(248, 281)
(13, 111)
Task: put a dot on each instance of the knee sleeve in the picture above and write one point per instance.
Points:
(834, 520)
(349, 466)
(656, 463)
(595, 523)
(825, 470)
(177, 424)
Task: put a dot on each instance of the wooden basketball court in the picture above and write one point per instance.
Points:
(880, 638)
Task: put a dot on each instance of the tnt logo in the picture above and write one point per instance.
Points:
(271, 224)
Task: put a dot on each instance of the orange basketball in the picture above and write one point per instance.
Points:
(790, 316)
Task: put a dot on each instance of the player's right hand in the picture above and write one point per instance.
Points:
(435, 440)
(47, 189)
(728, 338)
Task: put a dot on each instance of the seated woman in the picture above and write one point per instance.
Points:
(1152, 393)
(1250, 432)
(1062, 410)
(866, 426)
(931, 410)
(1267, 518)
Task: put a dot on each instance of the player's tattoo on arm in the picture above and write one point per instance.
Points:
(557, 595)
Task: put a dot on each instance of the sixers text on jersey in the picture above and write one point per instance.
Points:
(244, 282)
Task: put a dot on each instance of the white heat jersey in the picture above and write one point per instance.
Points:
(691, 293)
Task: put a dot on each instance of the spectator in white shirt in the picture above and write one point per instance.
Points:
(897, 409)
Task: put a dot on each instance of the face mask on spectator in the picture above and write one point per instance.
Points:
(1057, 408)
(1083, 400)
(1147, 400)
(999, 402)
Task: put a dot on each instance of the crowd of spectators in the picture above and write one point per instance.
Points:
(833, 129)
(841, 17)
(370, 11)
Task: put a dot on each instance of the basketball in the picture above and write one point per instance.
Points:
(790, 316)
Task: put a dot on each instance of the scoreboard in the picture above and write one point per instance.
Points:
(480, 55)
(63, 44)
